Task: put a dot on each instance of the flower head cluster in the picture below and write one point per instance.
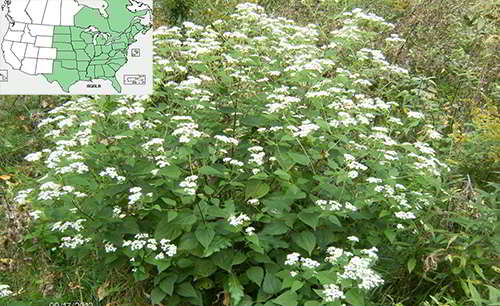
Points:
(4, 290)
(73, 242)
(237, 221)
(111, 172)
(295, 259)
(189, 184)
(332, 292)
(187, 131)
(359, 269)
(143, 241)
(135, 195)
(332, 205)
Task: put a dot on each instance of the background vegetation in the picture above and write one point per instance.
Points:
(452, 47)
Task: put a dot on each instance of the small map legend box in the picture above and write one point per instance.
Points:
(134, 79)
(4, 75)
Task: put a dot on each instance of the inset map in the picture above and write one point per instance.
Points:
(75, 46)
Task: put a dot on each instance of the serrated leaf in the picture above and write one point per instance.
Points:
(282, 175)
(271, 284)
(288, 298)
(157, 295)
(256, 189)
(311, 219)
(299, 158)
(187, 290)
(167, 284)
(204, 235)
(256, 275)
(305, 240)
(216, 245)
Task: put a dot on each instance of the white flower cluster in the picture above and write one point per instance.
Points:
(135, 195)
(187, 131)
(237, 221)
(33, 156)
(60, 226)
(335, 254)
(359, 269)
(405, 215)
(295, 259)
(305, 129)
(117, 212)
(257, 155)
(111, 172)
(226, 139)
(77, 167)
(233, 162)
(4, 290)
(134, 108)
(332, 292)
(142, 241)
(109, 247)
(73, 242)
(189, 184)
(21, 196)
(332, 205)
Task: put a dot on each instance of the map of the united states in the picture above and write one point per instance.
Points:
(68, 41)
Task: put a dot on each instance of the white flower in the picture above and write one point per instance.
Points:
(253, 201)
(33, 156)
(292, 259)
(353, 238)
(332, 292)
(309, 263)
(353, 174)
(250, 230)
(405, 215)
(4, 290)
(35, 214)
(415, 115)
(236, 221)
(109, 247)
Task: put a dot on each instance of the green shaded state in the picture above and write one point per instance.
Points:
(119, 16)
(64, 77)
(84, 55)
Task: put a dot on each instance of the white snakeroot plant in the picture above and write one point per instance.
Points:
(312, 150)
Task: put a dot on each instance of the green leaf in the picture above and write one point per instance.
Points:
(207, 170)
(288, 298)
(412, 262)
(282, 175)
(216, 245)
(255, 274)
(299, 158)
(167, 284)
(275, 228)
(256, 189)
(204, 235)
(271, 284)
(186, 289)
(311, 219)
(235, 289)
(305, 240)
(355, 297)
(171, 171)
(312, 303)
(157, 295)
(391, 235)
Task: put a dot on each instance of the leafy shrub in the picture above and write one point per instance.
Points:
(269, 166)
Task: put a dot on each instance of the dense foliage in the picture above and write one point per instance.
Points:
(275, 164)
